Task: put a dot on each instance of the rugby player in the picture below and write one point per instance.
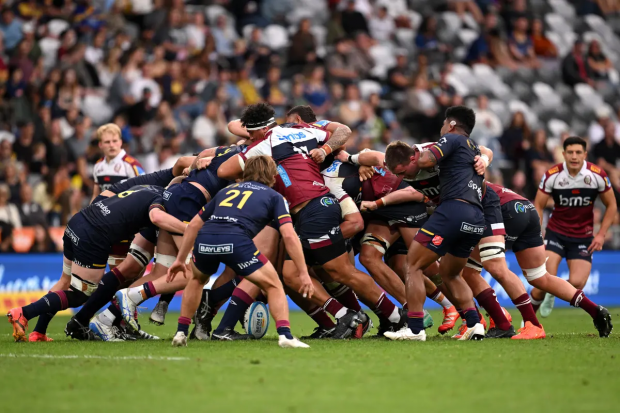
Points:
(88, 240)
(223, 232)
(455, 227)
(316, 212)
(574, 186)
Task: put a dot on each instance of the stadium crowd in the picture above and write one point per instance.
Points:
(171, 74)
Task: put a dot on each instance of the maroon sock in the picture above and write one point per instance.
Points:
(321, 318)
(434, 294)
(580, 300)
(347, 297)
(332, 306)
(488, 301)
(524, 305)
(243, 296)
(384, 307)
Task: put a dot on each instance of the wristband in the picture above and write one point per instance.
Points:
(324, 147)
(485, 158)
(355, 159)
(349, 158)
(380, 202)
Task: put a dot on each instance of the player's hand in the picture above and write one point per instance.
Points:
(366, 172)
(480, 165)
(176, 267)
(342, 156)
(186, 171)
(597, 243)
(368, 206)
(318, 155)
(203, 163)
(307, 289)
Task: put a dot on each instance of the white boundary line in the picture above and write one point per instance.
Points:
(54, 356)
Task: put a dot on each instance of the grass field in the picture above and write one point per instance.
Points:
(572, 370)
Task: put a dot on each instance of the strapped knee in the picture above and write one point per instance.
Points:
(165, 260)
(535, 273)
(141, 255)
(436, 279)
(78, 285)
(473, 264)
(376, 241)
(115, 261)
(492, 250)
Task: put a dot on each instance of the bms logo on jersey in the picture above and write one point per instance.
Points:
(244, 265)
(575, 201)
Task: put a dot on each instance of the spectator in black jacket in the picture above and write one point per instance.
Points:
(353, 21)
(574, 67)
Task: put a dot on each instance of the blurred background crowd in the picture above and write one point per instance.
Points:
(172, 73)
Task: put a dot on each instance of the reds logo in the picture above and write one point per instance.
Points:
(587, 180)
(117, 167)
(437, 240)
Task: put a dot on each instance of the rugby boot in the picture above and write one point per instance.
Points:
(19, 323)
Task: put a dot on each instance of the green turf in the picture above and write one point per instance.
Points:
(572, 370)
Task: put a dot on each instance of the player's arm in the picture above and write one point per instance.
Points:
(107, 193)
(182, 163)
(353, 221)
(611, 210)
(540, 202)
(482, 162)
(165, 221)
(231, 169)
(339, 138)
(401, 196)
(189, 237)
(364, 158)
(294, 250)
(427, 159)
(236, 128)
(96, 192)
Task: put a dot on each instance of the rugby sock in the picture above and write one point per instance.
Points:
(344, 295)
(438, 297)
(471, 317)
(384, 307)
(109, 284)
(415, 321)
(54, 302)
(184, 324)
(321, 318)
(43, 321)
(166, 298)
(536, 304)
(107, 317)
(223, 292)
(333, 307)
(488, 300)
(142, 293)
(237, 306)
(284, 329)
(461, 313)
(524, 305)
(580, 300)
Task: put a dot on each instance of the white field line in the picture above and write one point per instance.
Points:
(86, 356)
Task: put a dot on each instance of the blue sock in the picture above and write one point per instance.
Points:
(415, 321)
(471, 317)
(166, 298)
(234, 312)
(184, 324)
(49, 303)
(223, 292)
(109, 284)
(284, 329)
(43, 321)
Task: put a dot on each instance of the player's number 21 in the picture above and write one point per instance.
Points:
(226, 202)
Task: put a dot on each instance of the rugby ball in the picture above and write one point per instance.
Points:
(256, 320)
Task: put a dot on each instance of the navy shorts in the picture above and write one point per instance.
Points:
(183, 201)
(522, 225)
(318, 227)
(84, 245)
(455, 228)
(493, 220)
(410, 214)
(568, 247)
(398, 248)
(236, 251)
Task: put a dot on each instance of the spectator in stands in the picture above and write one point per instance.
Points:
(352, 108)
(361, 59)
(303, 46)
(426, 40)
(574, 67)
(340, 63)
(247, 88)
(538, 159)
(382, 25)
(316, 92)
(6, 155)
(334, 28)
(13, 177)
(224, 36)
(399, 76)
(6, 233)
(598, 64)
(596, 131)
(513, 137)
(42, 240)
(30, 212)
(444, 92)
(272, 91)
(9, 214)
(480, 50)
(422, 111)
(488, 125)
(463, 6)
(606, 154)
(209, 129)
(521, 46)
(352, 20)
(543, 47)
(22, 148)
(11, 28)
(275, 11)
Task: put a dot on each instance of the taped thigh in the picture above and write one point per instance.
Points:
(376, 241)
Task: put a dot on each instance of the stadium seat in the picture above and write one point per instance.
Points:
(546, 95)
(588, 96)
(405, 38)
(55, 27)
(368, 87)
(320, 34)
(557, 126)
(468, 36)
(247, 31)
(276, 37)
(23, 239)
(448, 26)
(564, 9)
(557, 23)
(212, 13)
(49, 47)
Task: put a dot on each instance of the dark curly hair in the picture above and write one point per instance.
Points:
(305, 112)
(257, 115)
(464, 117)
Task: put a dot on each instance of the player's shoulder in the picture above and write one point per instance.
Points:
(555, 169)
(595, 169)
(100, 160)
(131, 160)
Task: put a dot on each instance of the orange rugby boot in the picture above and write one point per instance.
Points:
(450, 315)
(19, 322)
(530, 332)
(36, 336)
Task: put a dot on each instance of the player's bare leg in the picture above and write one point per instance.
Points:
(578, 272)
(242, 297)
(538, 296)
(532, 261)
(189, 305)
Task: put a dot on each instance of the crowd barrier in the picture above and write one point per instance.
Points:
(26, 277)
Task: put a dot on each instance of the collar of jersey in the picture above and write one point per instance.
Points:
(117, 157)
(581, 171)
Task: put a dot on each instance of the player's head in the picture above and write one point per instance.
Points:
(401, 159)
(301, 114)
(258, 119)
(460, 120)
(575, 151)
(260, 169)
(110, 142)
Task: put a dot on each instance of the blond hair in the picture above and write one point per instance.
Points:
(260, 169)
(108, 128)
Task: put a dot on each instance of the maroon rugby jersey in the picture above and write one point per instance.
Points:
(574, 198)
(299, 178)
(505, 195)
